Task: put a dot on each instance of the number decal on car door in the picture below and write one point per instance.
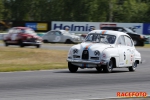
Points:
(57, 39)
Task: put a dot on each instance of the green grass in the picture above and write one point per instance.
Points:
(27, 59)
(145, 46)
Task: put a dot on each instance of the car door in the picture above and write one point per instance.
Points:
(49, 36)
(57, 37)
(130, 50)
(122, 51)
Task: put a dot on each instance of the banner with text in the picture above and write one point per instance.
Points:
(85, 27)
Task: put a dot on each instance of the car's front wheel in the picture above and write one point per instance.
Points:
(108, 67)
(21, 44)
(45, 41)
(133, 67)
(68, 41)
(6, 44)
(72, 68)
(38, 46)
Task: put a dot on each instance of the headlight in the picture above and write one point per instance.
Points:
(75, 51)
(96, 53)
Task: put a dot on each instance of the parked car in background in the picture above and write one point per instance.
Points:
(22, 36)
(104, 50)
(138, 39)
(60, 36)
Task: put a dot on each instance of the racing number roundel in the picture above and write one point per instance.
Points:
(57, 39)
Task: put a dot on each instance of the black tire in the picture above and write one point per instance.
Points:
(108, 67)
(72, 68)
(99, 69)
(6, 44)
(21, 44)
(68, 41)
(133, 67)
(45, 41)
(38, 46)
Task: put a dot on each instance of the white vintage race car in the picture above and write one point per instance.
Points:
(104, 50)
(60, 36)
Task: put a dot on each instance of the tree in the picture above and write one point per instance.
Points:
(1, 9)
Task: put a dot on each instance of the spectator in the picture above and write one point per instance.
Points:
(67, 29)
(93, 28)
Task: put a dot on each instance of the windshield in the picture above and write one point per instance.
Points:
(101, 38)
(28, 31)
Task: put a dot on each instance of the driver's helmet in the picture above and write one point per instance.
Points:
(110, 39)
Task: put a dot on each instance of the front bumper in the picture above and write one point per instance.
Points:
(33, 43)
(102, 62)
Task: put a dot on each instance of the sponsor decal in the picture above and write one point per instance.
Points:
(74, 27)
(31, 25)
(121, 63)
(107, 25)
(131, 94)
(42, 26)
(126, 61)
(146, 28)
(37, 26)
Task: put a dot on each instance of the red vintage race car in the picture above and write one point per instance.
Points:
(22, 36)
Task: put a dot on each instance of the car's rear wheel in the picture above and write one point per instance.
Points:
(72, 68)
(108, 67)
(133, 67)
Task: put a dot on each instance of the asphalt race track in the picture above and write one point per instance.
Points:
(85, 84)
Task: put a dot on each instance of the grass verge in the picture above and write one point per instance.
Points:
(28, 59)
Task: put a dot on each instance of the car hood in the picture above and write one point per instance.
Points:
(93, 46)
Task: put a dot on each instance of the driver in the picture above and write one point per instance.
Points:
(110, 40)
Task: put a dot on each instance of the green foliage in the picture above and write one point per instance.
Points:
(76, 10)
(1, 9)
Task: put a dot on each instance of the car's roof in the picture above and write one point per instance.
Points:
(111, 32)
(22, 27)
(59, 30)
(112, 27)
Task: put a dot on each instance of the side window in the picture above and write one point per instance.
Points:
(57, 33)
(11, 31)
(128, 41)
(51, 33)
(121, 40)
